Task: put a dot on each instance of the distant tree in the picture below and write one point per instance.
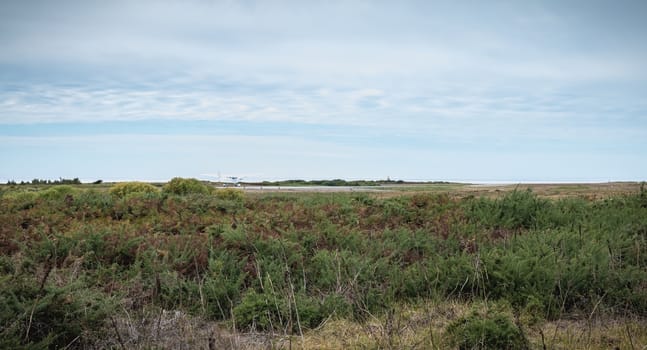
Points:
(62, 181)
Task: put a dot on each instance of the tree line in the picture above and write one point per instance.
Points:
(60, 181)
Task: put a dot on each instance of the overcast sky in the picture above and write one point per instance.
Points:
(454, 90)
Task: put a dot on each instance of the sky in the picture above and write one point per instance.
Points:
(478, 91)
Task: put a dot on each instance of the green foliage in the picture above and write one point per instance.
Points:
(58, 192)
(486, 329)
(60, 181)
(182, 186)
(231, 194)
(272, 311)
(280, 260)
(325, 269)
(49, 317)
(642, 196)
(261, 311)
(123, 189)
(92, 199)
(515, 210)
(20, 200)
(224, 284)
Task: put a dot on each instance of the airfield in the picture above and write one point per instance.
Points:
(550, 190)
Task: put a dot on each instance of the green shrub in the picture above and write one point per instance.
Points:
(94, 199)
(516, 210)
(486, 329)
(261, 311)
(335, 304)
(57, 192)
(274, 311)
(138, 205)
(310, 313)
(642, 195)
(122, 189)
(51, 317)
(323, 269)
(224, 283)
(181, 186)
(20, 200)
(230, 194)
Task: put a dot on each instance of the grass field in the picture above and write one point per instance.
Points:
(426, 266)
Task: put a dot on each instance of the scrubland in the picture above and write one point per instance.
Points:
(185, 265)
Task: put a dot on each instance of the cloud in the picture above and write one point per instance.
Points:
(445, 116)
(323, 42)
(414, 76)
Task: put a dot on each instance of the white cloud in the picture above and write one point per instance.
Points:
(455, 73)
(345, 43)
(465, 116)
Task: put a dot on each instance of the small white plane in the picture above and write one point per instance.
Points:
(228, 180)
(235, 180)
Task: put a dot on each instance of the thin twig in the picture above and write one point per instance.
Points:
(323, 323)
(48, 270)
(114, 326)
(543, 341)
(629, 336)
(596, 306)
(31, 315)
(159, 323)
(72, 342)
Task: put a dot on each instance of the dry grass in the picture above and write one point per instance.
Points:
(604, 333)
(410, 327)
(173, 329)
(423, 327)
(555, 191)
(420, 326)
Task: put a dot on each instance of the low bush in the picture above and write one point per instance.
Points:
(486, 329)
(262, 311)
(57, 192)
(516, 210)
(49, 316)
(181, 186)
(123, 189)
(269, 311)
(230, 194)
(20, 200)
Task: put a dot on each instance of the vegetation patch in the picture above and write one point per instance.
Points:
(124, 189)
(76, 261)
(182, 186)
(486, 329)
